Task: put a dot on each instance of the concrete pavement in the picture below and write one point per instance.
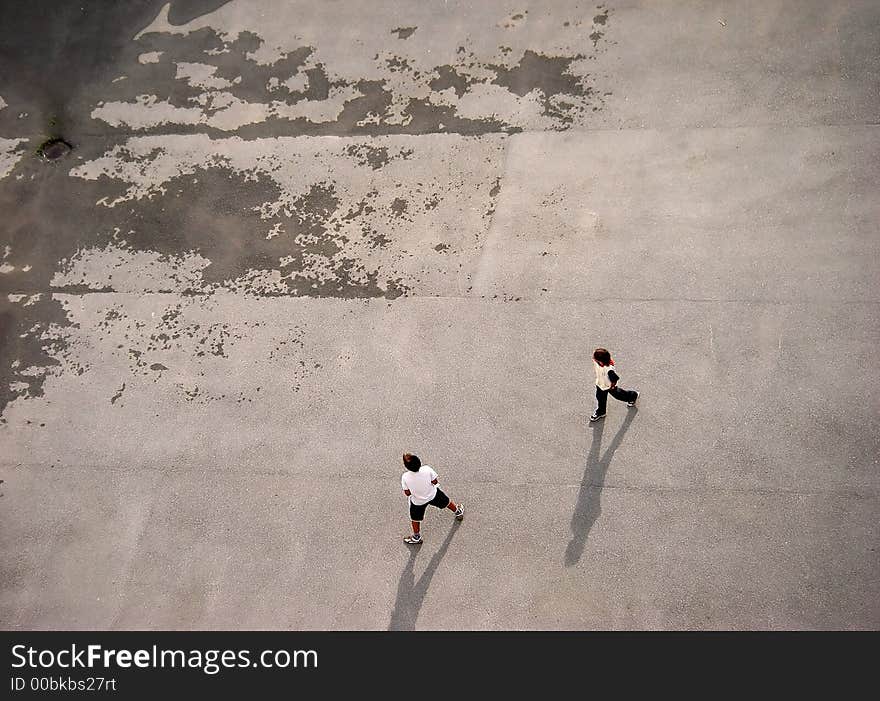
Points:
(294, 240)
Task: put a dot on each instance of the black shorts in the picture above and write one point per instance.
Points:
(417, 511)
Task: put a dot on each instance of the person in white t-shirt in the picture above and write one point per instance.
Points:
(419, 483)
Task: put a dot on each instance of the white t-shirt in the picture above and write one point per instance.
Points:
(602, 379)
(421, 491)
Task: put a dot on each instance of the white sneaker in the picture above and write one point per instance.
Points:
(459, 512)
(414, 539)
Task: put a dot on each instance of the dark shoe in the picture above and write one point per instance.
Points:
(596, 417)
(633, 402)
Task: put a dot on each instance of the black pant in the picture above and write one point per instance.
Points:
(623, 395)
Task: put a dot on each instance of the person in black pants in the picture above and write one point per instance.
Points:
(606, 383)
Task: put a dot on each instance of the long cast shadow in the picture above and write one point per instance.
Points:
(411, 594)
(589, 506)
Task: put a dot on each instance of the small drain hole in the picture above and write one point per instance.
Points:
(53, 149)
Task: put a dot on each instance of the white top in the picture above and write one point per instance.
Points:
(421, 491)
(602, 379)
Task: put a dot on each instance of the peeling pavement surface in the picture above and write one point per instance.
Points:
(296, 239)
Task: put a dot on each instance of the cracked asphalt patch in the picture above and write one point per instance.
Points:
(291, 242)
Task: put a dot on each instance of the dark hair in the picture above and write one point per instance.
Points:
(411, 462)
(600, 355)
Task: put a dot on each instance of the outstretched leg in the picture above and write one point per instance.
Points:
(457, 510)
(624, 395)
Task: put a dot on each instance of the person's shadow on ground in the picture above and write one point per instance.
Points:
(411, 594)
(589, 506)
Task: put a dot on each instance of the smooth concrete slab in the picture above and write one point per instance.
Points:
(278, 495)
(751, 63)
(751, 214)
(251, 551)
(308, 386)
